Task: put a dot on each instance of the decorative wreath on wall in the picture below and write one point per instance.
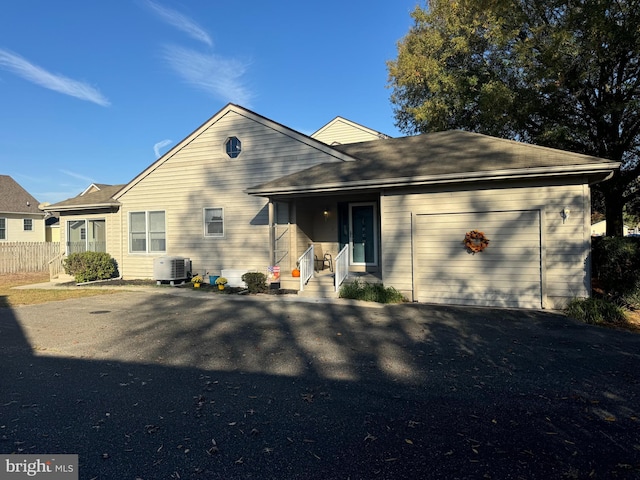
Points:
(475, 241)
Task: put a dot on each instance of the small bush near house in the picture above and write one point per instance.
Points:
(90, 266)
(371, 292)
(595, 311)
(616, 264)
(256, 282)
(631, 298)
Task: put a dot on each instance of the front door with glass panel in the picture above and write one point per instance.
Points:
(363, 234)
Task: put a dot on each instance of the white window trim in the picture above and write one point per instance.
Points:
(6, 230)
(204, 221)
(24, 225)
(147, 233)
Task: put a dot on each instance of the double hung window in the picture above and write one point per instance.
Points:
(147, 232)
(214, 222)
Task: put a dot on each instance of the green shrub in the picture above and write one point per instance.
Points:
(370, 292)
(90, 266)
(256, 282)
(595, 311)
(616, 264)
(630, 298)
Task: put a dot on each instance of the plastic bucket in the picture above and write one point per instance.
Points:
(213, 278)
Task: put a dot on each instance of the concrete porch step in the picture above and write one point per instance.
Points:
(319, 286)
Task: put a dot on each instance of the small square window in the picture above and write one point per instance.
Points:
(28, 225)
(233, 147)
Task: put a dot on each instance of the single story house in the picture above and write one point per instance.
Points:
(244, 192)
(21, 220)
(599, 229)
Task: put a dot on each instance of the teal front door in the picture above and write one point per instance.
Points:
(363, 234)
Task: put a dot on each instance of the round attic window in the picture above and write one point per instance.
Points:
(233, 146)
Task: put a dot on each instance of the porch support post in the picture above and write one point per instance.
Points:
(293, 221)
(272, 232)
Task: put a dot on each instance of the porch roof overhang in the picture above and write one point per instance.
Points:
(85, 206)
(292, 186)
(101, 199)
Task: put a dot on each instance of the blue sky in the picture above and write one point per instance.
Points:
(94, 92)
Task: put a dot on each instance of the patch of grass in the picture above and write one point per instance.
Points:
(596, 311)
(370, 292)
(10, 297)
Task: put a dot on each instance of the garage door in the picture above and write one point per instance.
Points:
(506, 274)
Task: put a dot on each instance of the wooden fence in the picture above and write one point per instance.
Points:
(23, 257)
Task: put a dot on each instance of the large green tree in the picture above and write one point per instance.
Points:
(564, 74)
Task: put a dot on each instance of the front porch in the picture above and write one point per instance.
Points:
(323, 236)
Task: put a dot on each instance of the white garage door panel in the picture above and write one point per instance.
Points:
(506, 273)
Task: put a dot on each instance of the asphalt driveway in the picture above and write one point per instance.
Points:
(148, 385)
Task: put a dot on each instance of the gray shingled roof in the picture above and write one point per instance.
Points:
(15, 199)
(429, 158)
(98, 199)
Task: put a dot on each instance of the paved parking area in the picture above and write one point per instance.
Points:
(148, 385)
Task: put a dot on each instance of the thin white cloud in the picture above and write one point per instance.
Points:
(14, 63)
(78, 176)
(181, 22)
(159, 145)
(216, 75)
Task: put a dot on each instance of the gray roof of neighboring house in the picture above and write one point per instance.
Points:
(98, 199)
(15, 199)
(450, 156)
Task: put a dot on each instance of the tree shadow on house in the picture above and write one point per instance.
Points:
(161, 386)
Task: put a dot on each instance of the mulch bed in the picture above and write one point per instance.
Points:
(204, 287)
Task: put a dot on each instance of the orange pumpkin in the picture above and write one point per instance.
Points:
(295, 272)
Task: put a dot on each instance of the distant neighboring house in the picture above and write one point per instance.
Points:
(599, 229)
(340, 130)
(52, 227)
(20, 218)
(245, 192)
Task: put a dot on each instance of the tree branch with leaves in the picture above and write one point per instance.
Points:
(563, 74)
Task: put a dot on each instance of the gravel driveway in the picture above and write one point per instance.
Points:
(148, 385)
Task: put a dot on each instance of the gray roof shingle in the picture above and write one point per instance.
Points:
(15, 199)
(100, 198)
(453, 155)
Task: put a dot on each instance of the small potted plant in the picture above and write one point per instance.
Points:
(221, 282)
(197, 281)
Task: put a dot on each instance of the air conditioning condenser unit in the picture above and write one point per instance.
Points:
(171, 269)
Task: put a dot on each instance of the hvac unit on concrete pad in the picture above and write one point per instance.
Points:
(171, 269)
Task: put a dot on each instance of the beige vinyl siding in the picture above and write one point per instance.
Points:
(115, 238)
(52, 234)
(564, 246)
(201, 175)
(341, 131)
(15, 232)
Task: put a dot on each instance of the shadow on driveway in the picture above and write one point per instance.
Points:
(149, 386)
